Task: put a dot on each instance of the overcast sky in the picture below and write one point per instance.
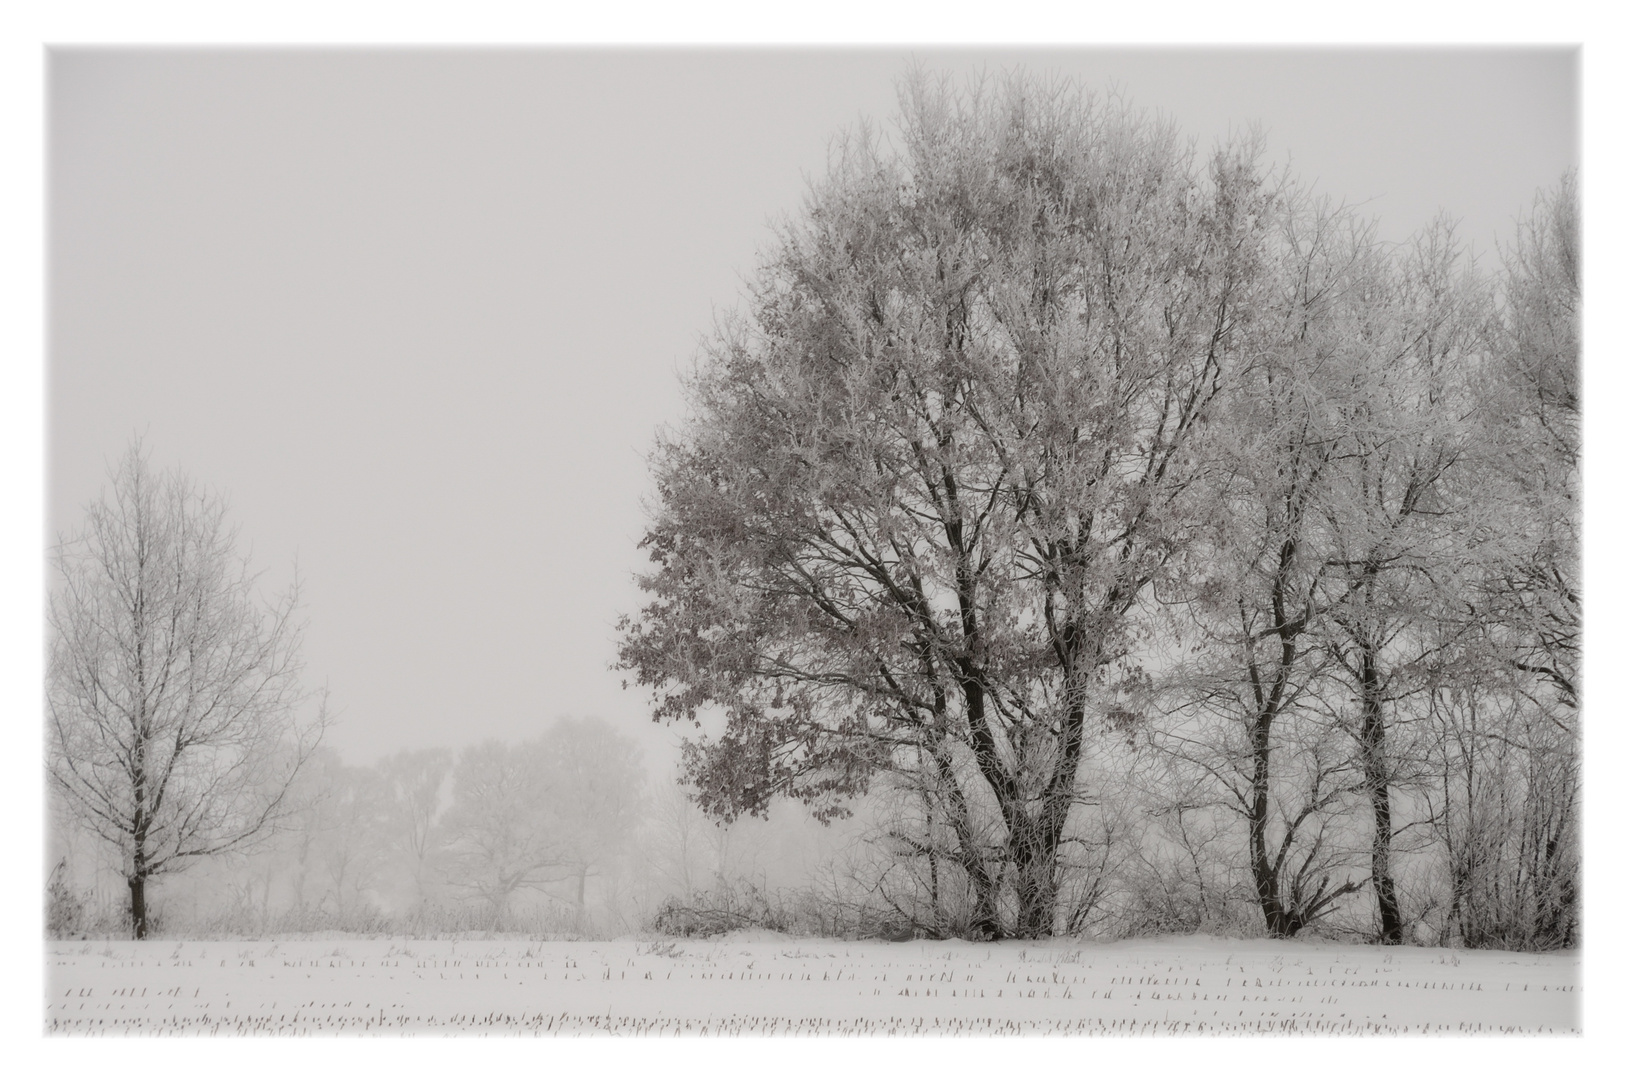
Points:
(420, 314)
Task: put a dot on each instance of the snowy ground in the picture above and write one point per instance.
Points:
(763, 985)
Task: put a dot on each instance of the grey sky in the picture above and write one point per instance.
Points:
(421, 313)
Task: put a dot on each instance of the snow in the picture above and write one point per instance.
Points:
(762, 983)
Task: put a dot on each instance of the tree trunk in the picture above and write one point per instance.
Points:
(1265, 884)
(1375, 760)
(1035, 842)
(985, 908)
(499, 907)
(984, 889)
(931, 861)
(1033, 850)
(138, 905)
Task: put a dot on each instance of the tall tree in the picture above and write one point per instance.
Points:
(929, 479)
(1399, 535)
(172, 691)
(1250, 681)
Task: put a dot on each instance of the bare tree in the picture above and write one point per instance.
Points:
(294, 851)
(351, 851)
(173, 692)
(1248, 596)
(500, 835)
(1397, 532)
(413, 781)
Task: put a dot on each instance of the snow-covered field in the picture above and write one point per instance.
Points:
(766, 985)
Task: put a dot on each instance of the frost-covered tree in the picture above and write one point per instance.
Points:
(1397, 525)
(931, 474)
(1504, 709)
(1532, 416)
(1381, 609)
(1033, 428)
(1249, 724)
(173, 693)
(351, 850)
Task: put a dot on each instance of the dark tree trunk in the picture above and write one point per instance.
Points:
(1375, 759)
(1265, 881)
(931, 862)
(984, 889)
(1034, 840)
(1033, 851)
(985, 914)
(138, 905)
(1034, 843)
(139, 865)
(1280, 920)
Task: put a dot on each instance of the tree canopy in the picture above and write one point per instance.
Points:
(1039, 428)
(929, 479)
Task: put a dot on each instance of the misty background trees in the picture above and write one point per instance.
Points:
(566, 834)
(1072, 534)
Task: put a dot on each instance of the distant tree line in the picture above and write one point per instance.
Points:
(1166, 550)
(496, 835)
